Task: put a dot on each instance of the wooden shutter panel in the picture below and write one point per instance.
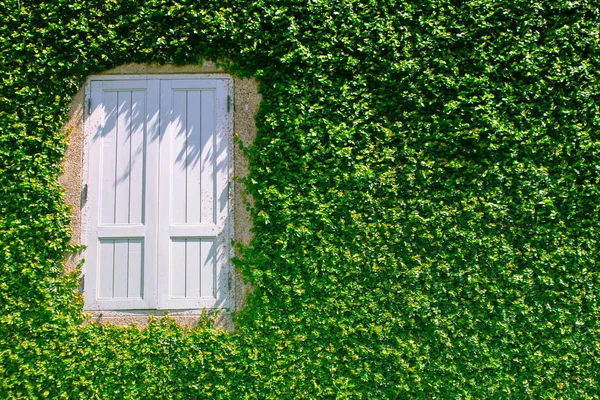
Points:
(158, 193)
(122, 137)
(194, 197)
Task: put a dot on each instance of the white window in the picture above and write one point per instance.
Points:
(156, 214)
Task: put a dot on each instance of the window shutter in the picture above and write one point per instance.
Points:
(194, 198)
(121, 183)
(157, 214)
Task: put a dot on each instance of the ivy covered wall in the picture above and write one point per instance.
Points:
(426, 210)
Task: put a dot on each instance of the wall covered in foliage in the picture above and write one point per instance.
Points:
(427, 204)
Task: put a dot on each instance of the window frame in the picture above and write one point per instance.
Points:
(229, 232)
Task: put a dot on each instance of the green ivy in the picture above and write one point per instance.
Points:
(426, 200)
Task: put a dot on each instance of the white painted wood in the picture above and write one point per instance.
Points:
(123, 117)
(123, 150)
(177, 162)
(192, 230)
(93, 130)
(121, 231)
(193, 164)
(120, 268)
(170, 253)
(137, 159)
(207, 158)
(192, 273)
(208, 250)
(136, 269)
(107, 138)
(178, 268)
(191, 169)
(90, 212)
(157, 218)
(152, 140)
(106, 269)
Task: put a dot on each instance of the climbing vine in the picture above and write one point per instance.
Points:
(426, 204)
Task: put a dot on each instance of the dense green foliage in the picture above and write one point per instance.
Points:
(426, 184)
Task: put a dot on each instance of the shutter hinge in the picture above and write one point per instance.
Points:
(89, 105)
(228, 103)
(84, 195)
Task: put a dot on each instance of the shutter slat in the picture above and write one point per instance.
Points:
(106, 268)
(207, 158)
(137, 157)
(178, 268)
(192, 278)
(121, 268)
(123, 150)
(208, 268)
(136, 268)
(108, 138)
(194, 163)
(177, 132)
